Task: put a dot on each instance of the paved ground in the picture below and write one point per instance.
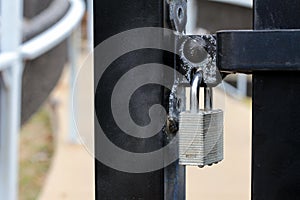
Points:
(71, 176)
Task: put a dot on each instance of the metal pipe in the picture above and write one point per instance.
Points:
(73, 51)
(6, 59)
(56, 34)
(208, 98)
(90, 29)
(48, 39)
(242, 85)
(229, 89)
(11, 38)
(11, 62)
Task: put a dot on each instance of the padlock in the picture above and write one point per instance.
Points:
(200, 130)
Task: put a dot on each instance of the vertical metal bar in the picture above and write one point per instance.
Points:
(208, 98)
(11, 36)
(242, 85)
(112, 17)
(73, 51)
(90, 24)
(191, 27)
(174, 174)
(276, 114)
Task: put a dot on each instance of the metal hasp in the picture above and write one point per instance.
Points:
(271, 54)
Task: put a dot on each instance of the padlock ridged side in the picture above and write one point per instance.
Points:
(201, 138)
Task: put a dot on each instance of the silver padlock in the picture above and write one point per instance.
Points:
(200, 130)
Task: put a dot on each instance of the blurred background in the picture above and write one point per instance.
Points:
(46, 85)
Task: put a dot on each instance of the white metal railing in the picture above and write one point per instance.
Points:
(56, 34)
(11, 37)
(6, 59)
(240, 91)
(48, 39)
(11, 67)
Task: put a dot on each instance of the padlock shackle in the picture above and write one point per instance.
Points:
(208, 98)
(194, 97)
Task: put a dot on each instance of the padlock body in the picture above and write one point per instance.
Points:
(200, 138)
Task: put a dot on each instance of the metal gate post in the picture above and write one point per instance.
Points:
(276, 113)
(110, 18)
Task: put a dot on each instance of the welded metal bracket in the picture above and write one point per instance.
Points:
(178, 14)
(198, 52)
(242, 51)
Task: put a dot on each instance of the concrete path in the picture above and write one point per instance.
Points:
(71, 175)
(72, 178)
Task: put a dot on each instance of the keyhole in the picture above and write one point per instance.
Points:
(180, 13)
(178, 105)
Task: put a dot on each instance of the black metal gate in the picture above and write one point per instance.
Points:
(271, 53)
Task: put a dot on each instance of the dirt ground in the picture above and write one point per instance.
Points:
(36, 150)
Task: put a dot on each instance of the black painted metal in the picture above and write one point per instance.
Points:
(174, 174)
(276, 127)
(112, 17)
(248, 51)
(276, 113)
